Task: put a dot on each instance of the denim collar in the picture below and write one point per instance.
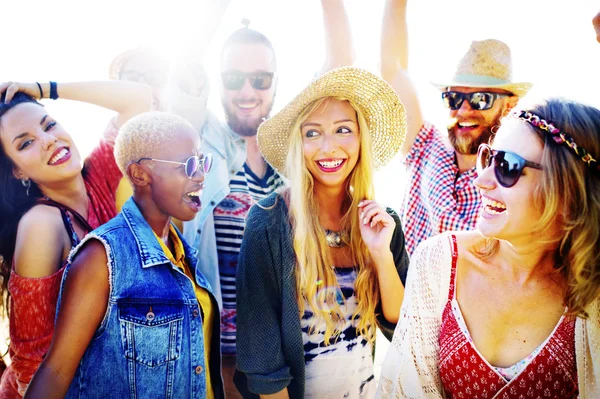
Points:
(148, 247)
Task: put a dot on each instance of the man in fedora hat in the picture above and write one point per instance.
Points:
(441, 169)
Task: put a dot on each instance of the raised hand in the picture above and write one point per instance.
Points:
(376, 227)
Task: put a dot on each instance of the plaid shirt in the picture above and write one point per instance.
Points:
(438, 198)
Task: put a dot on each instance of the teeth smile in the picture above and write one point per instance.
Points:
(58, 156)
(247, 106)
(467, 124)
(492, 206)
(330, 164)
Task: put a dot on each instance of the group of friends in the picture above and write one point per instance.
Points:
(189, 257)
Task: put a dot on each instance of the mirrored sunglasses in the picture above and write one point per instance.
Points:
(192, 165)
(479, 101)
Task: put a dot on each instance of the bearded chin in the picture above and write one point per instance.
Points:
(244, 128)
(468, 145)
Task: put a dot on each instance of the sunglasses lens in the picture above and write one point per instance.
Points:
(452, 99)
(508, 168)
(191, 166)
(261, 81)
(207, 163)
(481, 101)
(233, 81)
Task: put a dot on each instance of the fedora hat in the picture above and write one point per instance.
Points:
(488, 63)
(384, 114)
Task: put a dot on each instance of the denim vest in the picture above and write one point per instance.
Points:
(229, 154)
(150, 343)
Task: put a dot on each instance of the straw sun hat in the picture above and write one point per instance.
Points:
(381, 107)
(488, 64)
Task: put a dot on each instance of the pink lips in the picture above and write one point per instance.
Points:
(330, 170)
(62, 159)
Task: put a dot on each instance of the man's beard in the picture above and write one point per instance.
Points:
(248, 127)
(467, 144)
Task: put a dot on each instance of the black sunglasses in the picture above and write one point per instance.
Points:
(234, 80)
(508, 166)
(479, 101)
(192, 165)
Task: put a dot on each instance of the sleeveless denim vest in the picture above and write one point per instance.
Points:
(150, 343)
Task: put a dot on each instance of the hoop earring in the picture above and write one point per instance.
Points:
(27, 184)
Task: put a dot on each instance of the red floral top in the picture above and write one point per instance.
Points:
(465, 374)
(33, 300)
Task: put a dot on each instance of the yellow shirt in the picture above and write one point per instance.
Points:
(202, 295)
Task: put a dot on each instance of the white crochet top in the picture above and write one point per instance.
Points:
(410, 369)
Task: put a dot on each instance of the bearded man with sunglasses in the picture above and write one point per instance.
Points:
(441, 195)
(239, 178)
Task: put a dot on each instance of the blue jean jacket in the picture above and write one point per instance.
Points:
(229, 155)
(150, 343)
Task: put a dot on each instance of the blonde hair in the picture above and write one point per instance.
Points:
(316, 281)
(569, 194)
(143, 136)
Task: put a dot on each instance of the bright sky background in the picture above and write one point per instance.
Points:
(552, 41)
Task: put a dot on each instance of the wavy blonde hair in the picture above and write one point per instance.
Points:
(316, 281)
(569, 194)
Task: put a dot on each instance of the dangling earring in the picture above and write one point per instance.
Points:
(27, 184)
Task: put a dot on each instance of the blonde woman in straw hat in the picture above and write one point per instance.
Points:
(322, 264)
(441, 170)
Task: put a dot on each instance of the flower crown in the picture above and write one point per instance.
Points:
(558, 136)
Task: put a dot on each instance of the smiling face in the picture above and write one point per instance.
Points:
(39, 147)
(467, 128)
(511, 213)
(331, 141)
(171, 190)
(245, 108)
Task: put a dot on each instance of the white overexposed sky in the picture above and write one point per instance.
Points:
(552, 41)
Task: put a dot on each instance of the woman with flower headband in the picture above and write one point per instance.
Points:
(322, 264)
(49, 199)
(513, 308)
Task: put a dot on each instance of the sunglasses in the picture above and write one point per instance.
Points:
(479, 101)
(153, 78)
(508, 166)
(192, 165)
(234, 80)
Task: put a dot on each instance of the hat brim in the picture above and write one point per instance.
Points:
(519, 89)
(383, 111)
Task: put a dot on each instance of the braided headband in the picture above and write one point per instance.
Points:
(558, 136)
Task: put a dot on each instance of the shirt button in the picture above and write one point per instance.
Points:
(195, 312)
(212, 203)
(198, 369)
